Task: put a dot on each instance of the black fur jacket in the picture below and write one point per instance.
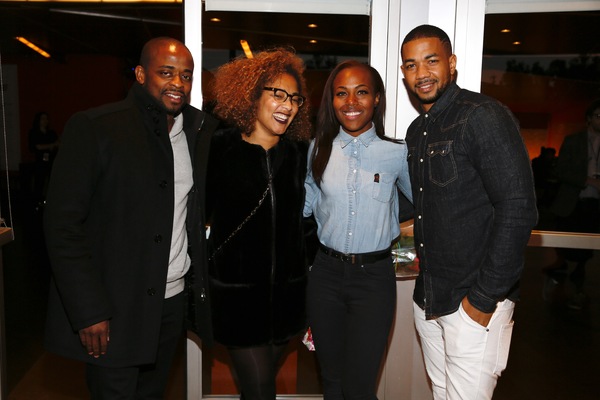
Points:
(257, 273)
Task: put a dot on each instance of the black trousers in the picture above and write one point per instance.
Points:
(350, 310)
(146, 382)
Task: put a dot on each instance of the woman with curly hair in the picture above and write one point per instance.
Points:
(351, 188)
(255, 197)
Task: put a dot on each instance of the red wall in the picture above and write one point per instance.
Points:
(552, 105)
(62, 88)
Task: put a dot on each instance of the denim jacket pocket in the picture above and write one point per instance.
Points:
(382, 187)
(442, 167)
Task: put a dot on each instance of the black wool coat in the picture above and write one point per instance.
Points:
(258, 275)
(108, 226)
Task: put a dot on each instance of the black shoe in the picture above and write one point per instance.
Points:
(558, 274)
(578, 302)
(552, 267)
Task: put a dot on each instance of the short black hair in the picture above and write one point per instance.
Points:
(429, 31)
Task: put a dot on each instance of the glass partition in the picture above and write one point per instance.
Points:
(322, 41)
(546, 68)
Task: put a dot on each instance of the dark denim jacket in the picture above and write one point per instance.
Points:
(474, 202)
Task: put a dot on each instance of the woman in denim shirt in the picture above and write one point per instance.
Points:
(351, 189)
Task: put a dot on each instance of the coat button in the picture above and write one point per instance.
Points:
(151, 292)
(158, 238)
(163, 184)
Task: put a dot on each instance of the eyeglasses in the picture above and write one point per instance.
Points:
(281, 96)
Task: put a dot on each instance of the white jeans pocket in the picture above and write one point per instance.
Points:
(503, 347)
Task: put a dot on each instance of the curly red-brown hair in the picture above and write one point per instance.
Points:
(239, 84)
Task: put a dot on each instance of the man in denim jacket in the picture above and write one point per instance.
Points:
(475, 207)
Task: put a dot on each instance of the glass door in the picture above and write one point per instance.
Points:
(322, 39)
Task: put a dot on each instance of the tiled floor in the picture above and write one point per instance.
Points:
(554, 351)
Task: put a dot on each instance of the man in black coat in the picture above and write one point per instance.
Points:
(124, 227)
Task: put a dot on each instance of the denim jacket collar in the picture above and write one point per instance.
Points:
(365, 138)
(447, 99)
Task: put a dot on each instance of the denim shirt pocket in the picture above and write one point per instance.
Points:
(382, 187)
(442, 166)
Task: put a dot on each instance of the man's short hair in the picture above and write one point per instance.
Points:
(429, 31)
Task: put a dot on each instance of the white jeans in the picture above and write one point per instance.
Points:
(464, 359)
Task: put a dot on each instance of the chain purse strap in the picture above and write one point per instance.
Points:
(236, 230)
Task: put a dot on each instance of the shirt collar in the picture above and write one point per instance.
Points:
(177, 126)
(365, 138)
(445, 100)
(145, 101)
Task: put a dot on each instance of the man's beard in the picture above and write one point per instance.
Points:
(435, 96)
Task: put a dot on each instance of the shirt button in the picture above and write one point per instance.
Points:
(419, 217)
(421, 245)
(424, 133)
(426, 115)
(352, 213)
(354, 192)
(349, 233)
(157, 238)
(421, 160)
(355, 140)
(356, 152)
(420, 189)
(353, 171)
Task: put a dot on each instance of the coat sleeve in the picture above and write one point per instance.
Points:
(499, 154)
(74, 178)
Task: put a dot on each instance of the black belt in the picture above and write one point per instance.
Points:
(362, 258)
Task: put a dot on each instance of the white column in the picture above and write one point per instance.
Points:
(192, 22)
(193, 40)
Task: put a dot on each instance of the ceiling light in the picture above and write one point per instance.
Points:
(246, 48)
(33, 46)
(215, 20)
(113, 16)
(313, 41)
(312, 25)
(505, 30)
(516, 43)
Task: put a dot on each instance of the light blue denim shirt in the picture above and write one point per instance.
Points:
(356, 207)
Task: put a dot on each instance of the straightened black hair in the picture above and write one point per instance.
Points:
(328, 125)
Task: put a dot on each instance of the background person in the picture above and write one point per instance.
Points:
(351, 188)
(123, 206)
(43, 143)
(474, 200)
(255, 199)
(577, 203)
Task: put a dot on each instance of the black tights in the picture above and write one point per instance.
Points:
(256, 369)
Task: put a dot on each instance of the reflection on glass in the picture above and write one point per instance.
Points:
(546, 68)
